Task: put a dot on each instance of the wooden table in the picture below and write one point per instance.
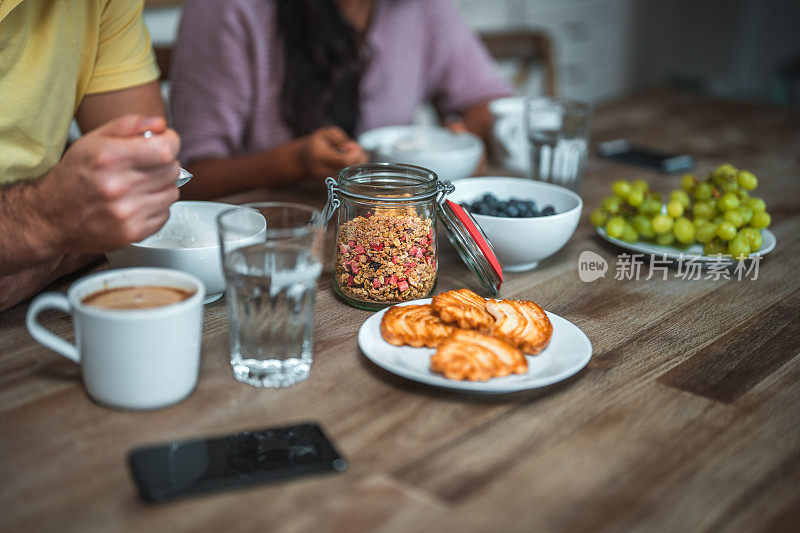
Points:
(687, 417)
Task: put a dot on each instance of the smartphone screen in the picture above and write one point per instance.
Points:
(192, 466)
(625, 152)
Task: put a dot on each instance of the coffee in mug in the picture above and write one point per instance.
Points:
(135, 351)
(141, 297)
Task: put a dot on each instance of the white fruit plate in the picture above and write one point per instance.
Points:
(694, 251)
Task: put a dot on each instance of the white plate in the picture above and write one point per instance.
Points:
(568, 352)
(694, 251)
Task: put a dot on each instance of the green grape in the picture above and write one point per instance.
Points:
(704, 232)
(747, 213)
(643, 226)
(640, 185)
(688, 182)
(734, 217)
(615, 227)
(635, 197)
(754, 237)
(681, 197)
(599, 217)
(739, 247)
(661, 224)
(724, 170)
(621, 188)
(702, 191)
(761, 220)
(700, 220)
(746, 180)
(726, 231)
(727, 202)
(757, 205)
(650, 207)
(674, 209)
(730, 185)
(665, 239)
(703, 210)
(684, 230)
(715, 247)
(612, 204)
(717, 220)
(629, 234)
(742, 194)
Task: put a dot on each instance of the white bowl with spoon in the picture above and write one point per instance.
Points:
(187, 242)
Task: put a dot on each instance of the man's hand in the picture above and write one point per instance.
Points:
(328, 150)
(113, 187)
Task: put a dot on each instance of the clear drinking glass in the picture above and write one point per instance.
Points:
(558, 130)
(272, 258)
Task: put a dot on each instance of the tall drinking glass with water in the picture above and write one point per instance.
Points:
(558, 131)
(272, 258)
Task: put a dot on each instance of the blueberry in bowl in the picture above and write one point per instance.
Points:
(525, 220)
(490, 206)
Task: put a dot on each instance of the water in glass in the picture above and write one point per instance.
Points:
(271, 292)
(558, 131)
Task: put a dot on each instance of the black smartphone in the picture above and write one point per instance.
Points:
(247, 458)
(624, 151)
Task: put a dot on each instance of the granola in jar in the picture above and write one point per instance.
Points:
(386, 256)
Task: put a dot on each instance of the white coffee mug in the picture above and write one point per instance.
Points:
(510, 145)
(130, 358)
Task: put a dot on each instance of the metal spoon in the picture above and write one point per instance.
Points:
(184, 175)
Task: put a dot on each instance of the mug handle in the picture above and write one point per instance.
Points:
(50, 300)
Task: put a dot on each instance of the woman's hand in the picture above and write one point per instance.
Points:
(327, 150)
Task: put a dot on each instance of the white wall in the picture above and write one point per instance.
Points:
(163, 24)
(591, 38)
(730, 48)
(608, 48)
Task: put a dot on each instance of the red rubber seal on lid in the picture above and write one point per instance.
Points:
(477, 236)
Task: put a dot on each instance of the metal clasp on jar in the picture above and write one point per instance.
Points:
(443, 188)
(333, 202)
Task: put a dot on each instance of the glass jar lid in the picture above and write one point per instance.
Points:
(472, 245)
(387, 182)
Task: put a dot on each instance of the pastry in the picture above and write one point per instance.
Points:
(470, 355)
(414, 325)
(464, 308)
(520, 323)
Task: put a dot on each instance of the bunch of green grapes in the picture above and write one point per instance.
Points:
(717, 212)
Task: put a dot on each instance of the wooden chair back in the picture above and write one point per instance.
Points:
(531, 47)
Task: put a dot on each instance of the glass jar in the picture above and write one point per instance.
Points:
(386, 250)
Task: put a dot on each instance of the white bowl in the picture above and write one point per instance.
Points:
(450, 155)
(188, 242)
(520, 243)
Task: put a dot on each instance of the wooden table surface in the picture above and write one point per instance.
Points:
(687, 417)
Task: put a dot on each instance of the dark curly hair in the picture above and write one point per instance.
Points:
(322, 66)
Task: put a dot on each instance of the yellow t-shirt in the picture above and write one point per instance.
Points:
(52, 54)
